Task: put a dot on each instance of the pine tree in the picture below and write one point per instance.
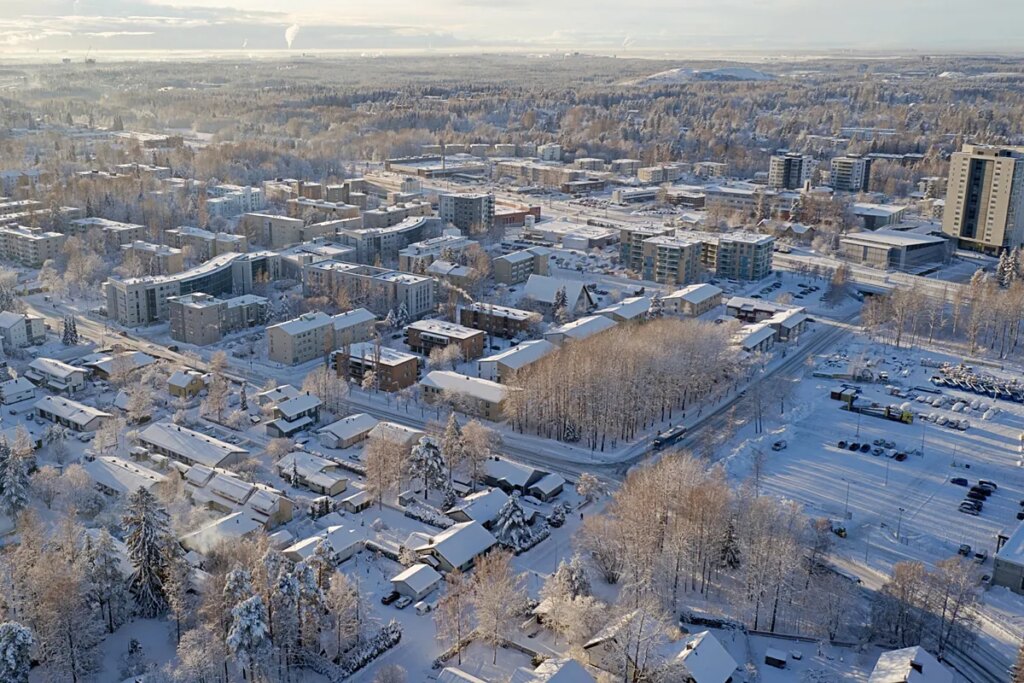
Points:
(108, 587)
(66, 331)
(510, 527)
(248, 637)
(243, 400)
(74, 332)
(391, 321)
(427, 463)
(560, 306)
(1003, 269)
(148, 539)
(237, 585)
(322, 563)
(572, 575)
(1015, 265)
(402, 317)
(657, 309)
(13, 480)
(15, 652)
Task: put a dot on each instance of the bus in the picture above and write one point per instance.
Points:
(668, 437)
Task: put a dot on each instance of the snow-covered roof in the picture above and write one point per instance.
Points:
(392, 431)
(16, 386)
(892, 238)
(475, 387)
(356, 316)
(695, 294)
(350, 427)
(289, 427)
(9, 319)
(311, 467)
(120, 475)
(278, 394)
(182, 441)
(54, 368)
(338, 538)
(909, 665)
(705, 659)
(500, 311)
(1013, 549)
(358, 498)
(543, 289)
(298, 405)
(482, 506)
(521, 355)
(452, 675)
(549, 484)
(304, 323)
(554, 671)
(628, 309)
(582, 328)
(183, 378)
(370, 352)
(513, 474)
(445, 329)
(879, 210)
(230, 527)
(106, 363)
(751, 336)
(66, 409)
(419, 578)
(460, 543)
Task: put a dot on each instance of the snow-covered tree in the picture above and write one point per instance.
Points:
(427, 463)
(108, 584)
(16, 643)
(243, 400)
(14, 480)
(69, 333)
(46, 484)
(497, 598)
(248, 636)
(385, 461)
(148, 538)
(452, 447)
(391, 320)
(510, 527)
(402, 316)
(478, 442)
(322, 564)
(345, 605)
(570, 578)
(1003, 272)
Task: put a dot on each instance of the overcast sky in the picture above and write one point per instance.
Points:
(624, 27)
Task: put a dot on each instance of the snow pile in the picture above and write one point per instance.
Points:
(427, 514)
(381, 642)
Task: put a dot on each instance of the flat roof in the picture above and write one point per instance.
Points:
(446, 329)
(892, 238)
(483, 389)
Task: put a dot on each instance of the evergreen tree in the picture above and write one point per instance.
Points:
(572, 576)
(13, 480)
(148, 539)
(391, 321)
(322, 564)
(657, 309)
(15, 652)
(74, 331)
(427, 463)
(402, 316)
(66, 331)
(510, 527)
(243, 400)
(1015, 265)
(237, 585)
(1003, 275)
(108, 587)
(560, 305)
(248, 636)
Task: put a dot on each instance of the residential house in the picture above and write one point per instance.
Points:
(482, 506)
(631, 309)
(55, 375)
(692, 301)
(19, 330)
(755, 337)
(909, 665)
(294, 415)
(457, 547)
(474, 395)
(313, 472)
(554, 671)
(417, 581)
(116, 477)
(347, 431)
(16, 390)
(342, 542)
(357, 502)
(393, 370)
(189, 447)
(703, 659)
(510, 476)
(227, 529)
(545, 290)
(223, 491)
(499, 321)
(423, 336)
(401, 434)
(75, 416)
(185, 384)
(502, 366)
(578, 330)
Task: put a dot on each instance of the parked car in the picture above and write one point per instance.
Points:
(854, 446)
(964, 550)
(779, 445)
(974, 495)
(900, 457)
(842, 444)
(981, 556)
(976, 504)
(967, 510)
(958, 481)
(864, 447)
(403, 602)
(390, 598)
(1020, 515)
(991, 485)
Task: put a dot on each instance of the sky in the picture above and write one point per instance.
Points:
(624, 27)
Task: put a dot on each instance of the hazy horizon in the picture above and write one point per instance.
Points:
(643, 28)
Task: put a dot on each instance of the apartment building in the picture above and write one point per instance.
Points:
(534, 173)
(627, 167)
(515, 216)
(789, 170)
(388, 216)
(692, 300)
(156, 259)
(318, 210)
(204, 244)
(143, 300)
(423, 336)
(378, 289)
(550, 152)
(518, 266)
(499, 321)
(851, 173)
(276, 232)
(236, 199)
(393, 370)
(471, 213)
(297, 341)
(735, 255)
(589, 164)
(30, 246)
(660, 174)
(384, 243)
(418, 256)
(631, 244)
(203, 319)
(313, 335)
(711, 169)
(671, 260)
(985, 198)
(19, 330)
(476, 396)
(144, 171)
(114, 232)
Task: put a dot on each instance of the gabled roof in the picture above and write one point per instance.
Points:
(628, 309)
(705, 659)
(122, 476)
(350, 427)
(54, 368)
(582, 328)
(69, 410)
(183, 378)
(695, 294)
(298, 405)
(554, 671)
(543, 288)
(909, 665)
(230, 527)
(475, 387)
(512, 474)
(482, 506)
(521, 355)
(182, 441)
(419, 577)
(356, 316)
(460, 543)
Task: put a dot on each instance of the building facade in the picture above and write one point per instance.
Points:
(984, 208)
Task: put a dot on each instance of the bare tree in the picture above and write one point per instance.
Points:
(453, 616)
(385, 464)
(497, 597)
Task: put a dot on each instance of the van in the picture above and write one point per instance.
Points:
(422, 607)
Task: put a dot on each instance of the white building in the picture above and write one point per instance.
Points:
(55, 375)
(189, 447)
(75, 416)
(19, 330)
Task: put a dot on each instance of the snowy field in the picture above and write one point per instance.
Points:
(895, 510)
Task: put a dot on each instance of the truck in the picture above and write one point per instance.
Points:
(668, 437)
